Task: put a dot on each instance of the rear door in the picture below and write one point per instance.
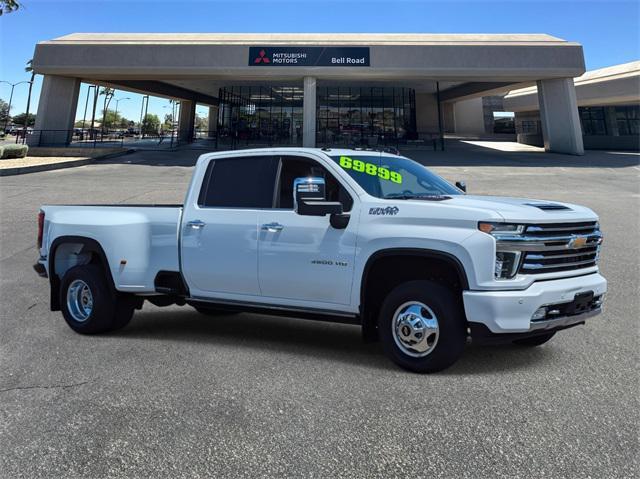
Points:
(220, 227)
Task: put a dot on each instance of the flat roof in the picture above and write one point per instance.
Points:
(505, 39)
(614, 85)
(614, 72)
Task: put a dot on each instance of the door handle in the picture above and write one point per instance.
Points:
(196, 224)
(273, 227)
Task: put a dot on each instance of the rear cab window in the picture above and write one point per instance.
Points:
(239, 182)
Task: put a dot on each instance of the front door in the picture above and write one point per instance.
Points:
(220, 230)
(304, 257)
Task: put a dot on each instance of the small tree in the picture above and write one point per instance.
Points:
(202, 123)
(4, 111)
(150, 124)
(168, 122)
(108, 95)
(20, 119)
(112, 119)
(8, 6)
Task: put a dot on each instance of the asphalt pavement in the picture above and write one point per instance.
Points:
(178, 394)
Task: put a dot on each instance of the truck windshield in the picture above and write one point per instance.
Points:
(394, 177)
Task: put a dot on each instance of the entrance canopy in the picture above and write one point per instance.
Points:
(422, 71)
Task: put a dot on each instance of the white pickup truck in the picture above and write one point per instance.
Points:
(357, 236)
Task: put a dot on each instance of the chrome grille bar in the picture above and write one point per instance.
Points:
(554, 247)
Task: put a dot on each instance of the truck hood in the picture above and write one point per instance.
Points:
(525, 210)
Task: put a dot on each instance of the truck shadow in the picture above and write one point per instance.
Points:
(314, 339)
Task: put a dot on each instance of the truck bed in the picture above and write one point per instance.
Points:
(138, 240)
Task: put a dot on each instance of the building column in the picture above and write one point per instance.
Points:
(56, 111)
(213, 121)
(309, 113)
(186, 120)
(559, 116)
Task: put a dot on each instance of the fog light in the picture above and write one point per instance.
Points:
(540, 313)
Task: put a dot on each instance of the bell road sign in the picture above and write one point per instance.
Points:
(309, 56)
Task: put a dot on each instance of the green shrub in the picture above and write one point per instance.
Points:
(14, 151)
(1, 151)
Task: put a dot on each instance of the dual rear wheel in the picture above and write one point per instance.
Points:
(89, 305)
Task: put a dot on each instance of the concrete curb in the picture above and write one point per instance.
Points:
(21, 170)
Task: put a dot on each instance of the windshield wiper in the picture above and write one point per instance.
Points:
(416, 196)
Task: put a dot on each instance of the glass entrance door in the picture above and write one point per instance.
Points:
(260, 116)
(365, 116)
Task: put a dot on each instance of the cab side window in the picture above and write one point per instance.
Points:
(240, 182)
(293, 167)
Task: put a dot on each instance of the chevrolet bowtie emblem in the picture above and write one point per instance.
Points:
(577, 242)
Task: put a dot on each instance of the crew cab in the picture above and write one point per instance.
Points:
(358, 236)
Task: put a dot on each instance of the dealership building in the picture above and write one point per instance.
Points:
(317, 89)
(608, 106)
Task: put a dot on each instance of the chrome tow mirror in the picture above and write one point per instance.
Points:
(309, 198)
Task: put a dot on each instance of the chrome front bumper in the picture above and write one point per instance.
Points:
(564, 321)
(512, 311)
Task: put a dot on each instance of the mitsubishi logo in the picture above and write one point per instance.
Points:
(262, 58)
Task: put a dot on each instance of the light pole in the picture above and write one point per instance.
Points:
(118, 100)
(13, 85)
(145, 99)
(86, 104)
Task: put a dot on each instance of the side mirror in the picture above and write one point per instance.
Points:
(461, 185)
(309, 198)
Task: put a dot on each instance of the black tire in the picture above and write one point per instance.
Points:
(214, 311)
(451, 326)
(110, 310)
(535, 340)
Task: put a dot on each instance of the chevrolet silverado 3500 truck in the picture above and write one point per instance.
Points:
(357, 236)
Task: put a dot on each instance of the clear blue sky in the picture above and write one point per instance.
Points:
(608, 30)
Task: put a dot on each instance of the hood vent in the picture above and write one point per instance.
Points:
(548, 206)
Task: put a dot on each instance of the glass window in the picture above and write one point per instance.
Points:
(628, 120)
(528, 126)
(244, 182)
(355, 116)
(592, 120)
(298, 167)
(394, 177)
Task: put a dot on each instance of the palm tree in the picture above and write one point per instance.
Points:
(8, 6)
(108, 95)
(29, 69)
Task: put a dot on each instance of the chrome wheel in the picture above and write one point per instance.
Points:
(415, 329)
(79, 300)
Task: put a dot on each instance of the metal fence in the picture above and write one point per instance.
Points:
(210, 140)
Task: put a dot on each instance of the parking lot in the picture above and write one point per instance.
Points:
(178, 394)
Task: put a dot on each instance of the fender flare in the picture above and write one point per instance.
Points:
(89, 245)
(424, 253)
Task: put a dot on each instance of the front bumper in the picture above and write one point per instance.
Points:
(512, 311)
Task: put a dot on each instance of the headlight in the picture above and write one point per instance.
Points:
(501, 228)
(506, 262)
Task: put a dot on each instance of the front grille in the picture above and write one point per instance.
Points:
(554, 247)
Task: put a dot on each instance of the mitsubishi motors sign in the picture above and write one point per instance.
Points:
(309, 56)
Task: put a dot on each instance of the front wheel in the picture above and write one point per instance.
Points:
(422, 326)
(88, 304)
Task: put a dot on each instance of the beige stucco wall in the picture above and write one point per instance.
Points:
(426, 113)
(468, 116)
